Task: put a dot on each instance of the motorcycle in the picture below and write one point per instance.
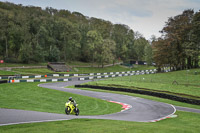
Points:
(70, 109)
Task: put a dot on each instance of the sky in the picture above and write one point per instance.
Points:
(145, 16)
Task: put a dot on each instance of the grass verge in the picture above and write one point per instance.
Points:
(81, 70)
(187, 84)
(176, 103)
(185, 123)
(33, 71)
(21, 64)
(7, 72)
(28, 96)
(116, 68)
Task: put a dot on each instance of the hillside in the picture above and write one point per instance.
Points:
(32, 34)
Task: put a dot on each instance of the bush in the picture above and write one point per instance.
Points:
(11, 60)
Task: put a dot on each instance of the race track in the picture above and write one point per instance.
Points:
(141, 110)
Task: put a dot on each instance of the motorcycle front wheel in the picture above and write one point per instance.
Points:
(77, 112)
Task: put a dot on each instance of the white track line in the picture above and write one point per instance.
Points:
(164, 117)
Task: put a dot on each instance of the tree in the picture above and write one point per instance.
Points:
(159, 49)
(139, 46)
(4, 26)
(194, 37)
(122, 35)
(70, 38)
(54, 54)
(71, 33)
(176, 41)
(94, 40)
(103, 27)
(106, 52)
(148, 54)
(25, 53)
(38, 54)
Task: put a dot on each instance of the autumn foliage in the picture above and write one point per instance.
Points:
(180, 44)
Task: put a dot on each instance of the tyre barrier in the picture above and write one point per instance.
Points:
(144, 92)
(3, 81)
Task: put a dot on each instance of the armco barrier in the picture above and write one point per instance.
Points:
(115, 75)
(41, 76)
(128, 72)
(98, 76)
(90, 74)
(39, 80)
(144, 92)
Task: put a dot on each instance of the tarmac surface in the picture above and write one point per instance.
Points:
(140, 110)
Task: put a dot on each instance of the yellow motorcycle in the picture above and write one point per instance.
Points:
(70, 109)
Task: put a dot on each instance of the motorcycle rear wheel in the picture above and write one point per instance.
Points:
(67, 110)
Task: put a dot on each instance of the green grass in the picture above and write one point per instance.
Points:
(79, 63)
(160, 82)
(33, 71)
(185, 123)
(179, 90)
(28, 96)
(146, 97)
(116, 68)
(188, 84)
(43, 71)
(72, 63)
(21, 64)
(3, 73)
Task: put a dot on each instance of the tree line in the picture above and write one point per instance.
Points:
(179, 45)
(32, 34)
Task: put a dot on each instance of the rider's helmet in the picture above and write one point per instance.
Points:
(70, 98)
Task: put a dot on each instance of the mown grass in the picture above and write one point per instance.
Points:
(79, 63)
(28, 96)
(33, 71)
(3, 73)
(21, 64)
(43, 71)
(116, 68)
(185, 123)
(179, 90)
(71, 63)
(162, 82)
(175, 82)
(146, 97)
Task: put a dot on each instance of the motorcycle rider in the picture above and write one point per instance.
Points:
(73, 102)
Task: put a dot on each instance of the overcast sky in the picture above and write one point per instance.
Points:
(146, 16)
